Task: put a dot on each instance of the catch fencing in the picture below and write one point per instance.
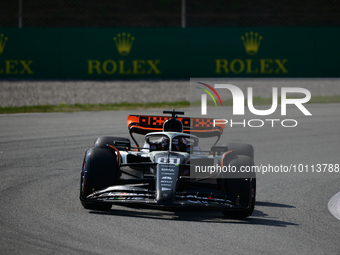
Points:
(169, 13)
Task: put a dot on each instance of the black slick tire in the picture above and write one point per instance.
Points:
(100, 170)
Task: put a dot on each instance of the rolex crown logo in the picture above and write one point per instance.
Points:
(2, 43)
(251, 42)
(124, 43)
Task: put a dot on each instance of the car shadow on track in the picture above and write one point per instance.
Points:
(188, 214)
(270, 204)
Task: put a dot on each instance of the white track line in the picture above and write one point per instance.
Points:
(334, 205)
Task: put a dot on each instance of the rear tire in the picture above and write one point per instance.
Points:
(100, 170)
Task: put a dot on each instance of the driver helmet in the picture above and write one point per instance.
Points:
(165, 141)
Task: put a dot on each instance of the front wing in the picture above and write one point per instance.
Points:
(135, 195)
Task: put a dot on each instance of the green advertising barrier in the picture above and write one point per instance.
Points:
(134, 53)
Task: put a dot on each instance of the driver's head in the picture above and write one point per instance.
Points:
(165, 143)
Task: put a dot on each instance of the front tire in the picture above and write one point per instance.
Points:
(241, 186)
(100, 170)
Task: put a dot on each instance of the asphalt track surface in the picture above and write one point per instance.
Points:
(40, 213)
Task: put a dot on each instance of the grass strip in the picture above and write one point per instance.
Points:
(140, 106)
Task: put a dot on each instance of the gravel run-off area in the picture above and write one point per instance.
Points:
(15, 93)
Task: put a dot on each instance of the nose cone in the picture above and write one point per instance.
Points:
(166, 180)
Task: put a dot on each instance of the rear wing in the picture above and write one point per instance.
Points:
(201, 127)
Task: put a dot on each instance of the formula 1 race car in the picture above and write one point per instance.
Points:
(162, 173)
